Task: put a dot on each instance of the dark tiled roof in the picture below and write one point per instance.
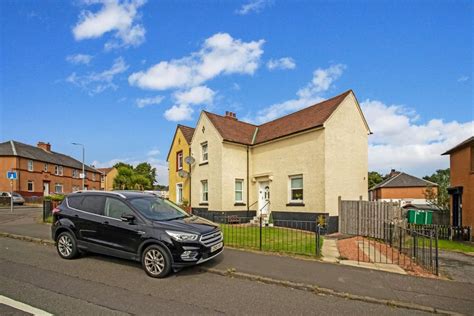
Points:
(401, 179)
(249, 134)
(467, 142)
(231, 129)
(14, 148)
(310, 117)
(105, 170)
(187, 132)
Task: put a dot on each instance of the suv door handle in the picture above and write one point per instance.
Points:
(106, 223)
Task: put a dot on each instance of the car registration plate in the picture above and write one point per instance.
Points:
(216, 247)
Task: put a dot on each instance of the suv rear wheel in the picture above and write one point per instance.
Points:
(156, 261)
(66, 245)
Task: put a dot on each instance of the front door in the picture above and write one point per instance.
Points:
(45, 188)
(263, 197)
(456, 198)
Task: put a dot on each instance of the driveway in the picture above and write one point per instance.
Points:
(457, 266)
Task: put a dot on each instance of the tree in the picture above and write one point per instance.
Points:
(142, 177)
(146, 170)
(374, 178)
(123, 180)
(441, 199)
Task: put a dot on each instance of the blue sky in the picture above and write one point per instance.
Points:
(119, 75)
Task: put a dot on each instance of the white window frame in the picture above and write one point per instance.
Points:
(179, 157)
(45, 167)
(204, 191)
(75, 173)
(32, 186)
(241, 191)
(30, 165)
(55, 188)
(179, 185)
(204, 145)
(93, 176)
(58, 170)
(290, 188)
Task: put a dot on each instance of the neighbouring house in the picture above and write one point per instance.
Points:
(461, 189)
(42, 171)
(178, 169)
(404, 189)
(294, 167)
(107, 178)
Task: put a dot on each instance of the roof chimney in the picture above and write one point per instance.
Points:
(44, 146)
(230, 115)
(393, 172)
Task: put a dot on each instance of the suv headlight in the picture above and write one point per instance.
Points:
(180, 236)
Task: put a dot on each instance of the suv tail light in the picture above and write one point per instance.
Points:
(56, 211)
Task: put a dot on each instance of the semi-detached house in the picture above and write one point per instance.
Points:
(294, 167)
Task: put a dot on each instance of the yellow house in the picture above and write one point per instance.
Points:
(294, 167)
(107, 178)
(178, 169)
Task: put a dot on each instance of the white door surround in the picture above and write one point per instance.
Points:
(45, 188)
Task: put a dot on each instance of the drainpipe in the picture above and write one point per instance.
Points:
(248, 206)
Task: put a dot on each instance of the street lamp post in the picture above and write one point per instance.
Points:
(83, 166)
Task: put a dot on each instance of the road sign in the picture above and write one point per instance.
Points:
(11, 175)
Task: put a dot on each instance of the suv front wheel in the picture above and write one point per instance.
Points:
(156, 261)
(66, 245)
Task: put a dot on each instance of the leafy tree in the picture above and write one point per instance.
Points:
(374, 178)
(441, 178)
(123, 180)
(142, 177)
(146, 170)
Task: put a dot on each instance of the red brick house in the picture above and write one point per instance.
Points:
(42, 171)
(462, 183)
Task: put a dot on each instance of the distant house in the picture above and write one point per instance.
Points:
(107, 178)
(402, 188)
(42, 171)
(293, 167)
(462, 183)
(179, 183)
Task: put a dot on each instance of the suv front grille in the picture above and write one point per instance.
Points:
(211, 238)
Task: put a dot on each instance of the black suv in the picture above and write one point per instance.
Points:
(134, 225)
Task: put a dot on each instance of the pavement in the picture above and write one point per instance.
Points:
(336, 281)
(457, 266)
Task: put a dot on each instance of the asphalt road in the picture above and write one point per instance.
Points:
(96, 285)
(457, 266)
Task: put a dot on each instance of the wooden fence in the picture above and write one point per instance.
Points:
(367, 218)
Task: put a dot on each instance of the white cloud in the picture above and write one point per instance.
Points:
(160, 165)
(463, 78)
(96, 82)
(220, 54)
(182, 110)
(79, 59)
(282, 63)
(153, 152)
(143, 102)
(118, 17)
(253, 6)
(323, 79)
(401, 143)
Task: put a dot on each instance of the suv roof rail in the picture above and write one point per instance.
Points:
(100, 191)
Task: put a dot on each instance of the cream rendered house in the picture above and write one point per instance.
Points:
(294, 167)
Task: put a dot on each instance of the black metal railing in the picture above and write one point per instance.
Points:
(447, 232)
(285, 236)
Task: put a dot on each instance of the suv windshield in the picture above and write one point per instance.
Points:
(158, 209)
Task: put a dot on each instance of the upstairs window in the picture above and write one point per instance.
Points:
(58, 170)
(204, 192)
(93, 176)
(239, 190)
(45, 167)
(30, 165)
(75, 173)
(204, 154)
(179, 160)
(296, 188)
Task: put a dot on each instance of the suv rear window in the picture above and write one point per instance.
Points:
(93, 204)
(75, 201)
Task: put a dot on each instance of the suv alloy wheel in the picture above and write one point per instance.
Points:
(156, 261)
(66, 245)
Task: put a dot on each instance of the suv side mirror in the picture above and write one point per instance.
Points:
(129, 218)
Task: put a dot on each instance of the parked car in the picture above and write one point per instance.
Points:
(136, 226)
(17, 198)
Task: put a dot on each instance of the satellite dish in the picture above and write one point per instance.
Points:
(183, 174)
(189, 160)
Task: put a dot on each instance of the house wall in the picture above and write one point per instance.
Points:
(462, 175)
(108, 183)
(234, 162)
(277, 160)
(346, 161)
(405, 193)
(38, 176)
(210, 171)
(179, 144)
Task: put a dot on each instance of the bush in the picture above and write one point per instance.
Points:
(55, 197)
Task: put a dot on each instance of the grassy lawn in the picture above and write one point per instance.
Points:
(455, 246)
(277, 239)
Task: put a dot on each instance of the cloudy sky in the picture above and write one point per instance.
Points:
(119, 75)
